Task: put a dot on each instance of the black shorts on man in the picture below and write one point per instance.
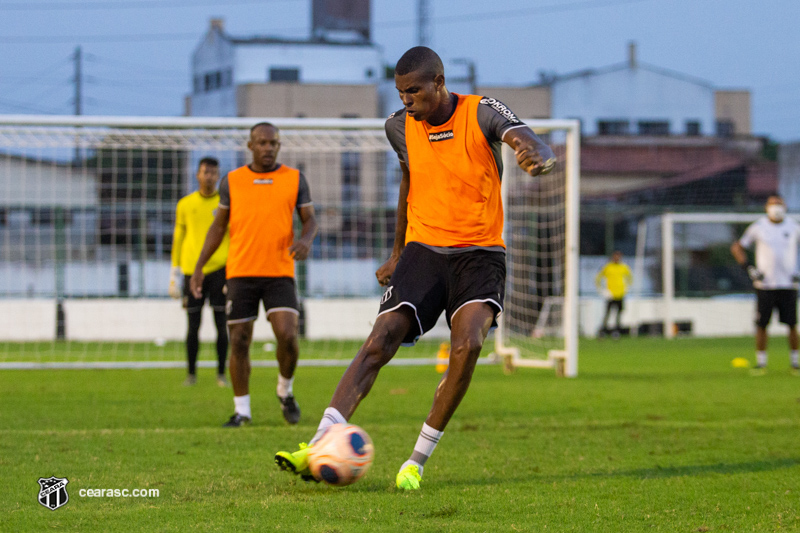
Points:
(430, 282)
(784, 300)
(245, 294)
(213, 289)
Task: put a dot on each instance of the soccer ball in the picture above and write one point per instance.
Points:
(342, 455)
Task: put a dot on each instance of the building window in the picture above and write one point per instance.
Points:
(612, 127)
(693, 128)
(284, 74)
(653, 127)
(725, 128)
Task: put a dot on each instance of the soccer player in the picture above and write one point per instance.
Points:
(257, 203)
(615, 278)
(193, 216)
(774, 275)
(448, 252)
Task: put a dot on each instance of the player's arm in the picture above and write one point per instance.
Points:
(214, 237)
(598, 279)
(739, 253)
(299, 249)
(384, 273)
(176, 274)
(533, 155)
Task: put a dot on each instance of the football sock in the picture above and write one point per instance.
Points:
(284, 386)
(221, 321)
(330, 417)
(795, 358)
(192, 341)
(761, 358)
(242, 405)
(426, 443)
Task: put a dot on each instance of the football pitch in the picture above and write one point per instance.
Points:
(653, 435)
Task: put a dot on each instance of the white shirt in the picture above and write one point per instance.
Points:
(776, 251)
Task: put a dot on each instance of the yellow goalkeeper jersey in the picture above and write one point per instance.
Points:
(617, 276)
(193, 217)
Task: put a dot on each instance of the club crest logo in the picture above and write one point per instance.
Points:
(53, 492)
(387, 294)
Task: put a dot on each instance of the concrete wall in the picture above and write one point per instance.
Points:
(306, 100)
(147, 320)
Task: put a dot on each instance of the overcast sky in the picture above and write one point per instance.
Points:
(137, 52)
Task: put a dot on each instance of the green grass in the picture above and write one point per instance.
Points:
(652, 436)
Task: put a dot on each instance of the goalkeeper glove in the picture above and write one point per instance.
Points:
(176, 282)
(796, 277)
(754, 273)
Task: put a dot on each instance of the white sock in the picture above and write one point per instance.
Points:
(426, 443)
(241, 405)
(410, 462)
(330, 417)
(284, 386)
(761, 358)
(795, 358)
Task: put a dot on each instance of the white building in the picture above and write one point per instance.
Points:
(235, 76)
(634, 98)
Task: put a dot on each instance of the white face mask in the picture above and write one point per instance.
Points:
(776, 212)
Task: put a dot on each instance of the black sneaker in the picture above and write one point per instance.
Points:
(236, 421)
(291, 411)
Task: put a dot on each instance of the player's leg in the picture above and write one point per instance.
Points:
(765, 302)
(242, 303)
(284, 325)
(194, 307)
(618, 319)
(606, 316)
(388, 333)
(192, 345)
(470, 325)
(476, 285)
(216, 299)
(411, 305)
(787, 313)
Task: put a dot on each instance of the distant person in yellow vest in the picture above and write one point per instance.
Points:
(613, 281)
(257, 204)
(193, 217)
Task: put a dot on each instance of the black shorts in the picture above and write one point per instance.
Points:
(244, 295)
(213, 289)
(619, 304)
(785, 300)
(429, 283)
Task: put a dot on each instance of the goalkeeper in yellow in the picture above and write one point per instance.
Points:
(613, 280)
(193, 217)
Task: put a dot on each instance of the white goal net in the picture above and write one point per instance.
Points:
(688, 281)
(86, 221)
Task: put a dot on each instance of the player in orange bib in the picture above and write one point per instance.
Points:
(257, 205)
(448, 252)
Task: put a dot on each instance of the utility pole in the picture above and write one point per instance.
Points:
(78, 59)
(423, 23)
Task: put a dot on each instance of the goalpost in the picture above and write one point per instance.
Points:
(539, 326)
(86, 216)
(697, 287)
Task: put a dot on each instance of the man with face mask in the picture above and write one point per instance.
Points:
(775, 276)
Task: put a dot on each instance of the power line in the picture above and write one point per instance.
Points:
(129, 4)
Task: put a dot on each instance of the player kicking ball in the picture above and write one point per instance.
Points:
(448, 252)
